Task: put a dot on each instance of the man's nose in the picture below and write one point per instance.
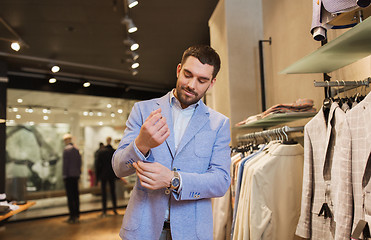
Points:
(192, 83)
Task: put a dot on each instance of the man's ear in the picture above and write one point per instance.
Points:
(179, 67)
(212, 82)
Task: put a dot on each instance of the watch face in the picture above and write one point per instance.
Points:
(175, 182)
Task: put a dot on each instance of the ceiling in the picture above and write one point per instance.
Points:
(85, 38)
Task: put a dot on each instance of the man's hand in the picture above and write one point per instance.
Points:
(153, 132)
(153, 175)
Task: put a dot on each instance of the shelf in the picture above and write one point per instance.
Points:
(349, 47)
(276, 119)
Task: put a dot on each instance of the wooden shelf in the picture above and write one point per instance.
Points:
(277, 119)
(20, 209)
(349, 47)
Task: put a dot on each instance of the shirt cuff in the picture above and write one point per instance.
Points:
(180, 183)
(140, 154)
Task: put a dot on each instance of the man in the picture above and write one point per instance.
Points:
(179, 149)
(71, 175)
(106, 175)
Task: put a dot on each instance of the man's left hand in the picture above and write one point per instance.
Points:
(153, 175)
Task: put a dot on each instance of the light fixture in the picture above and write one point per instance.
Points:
(91, 113)
(45, 117)
(130, 26)
(86, 84)
(134, 72)
(85, 113)
(113, 114)
(100, 123)
(18, 116)
(15, 109)
(52, 80)
(119, 111)
(20, 100)
(15, 46)
(132, 3)
(134, 56)
(135, 65)
(55, 69)
(29, 110)
(131, 43)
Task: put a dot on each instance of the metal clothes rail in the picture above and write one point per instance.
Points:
(282, 132)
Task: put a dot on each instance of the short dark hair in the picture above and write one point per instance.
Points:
(205, 54)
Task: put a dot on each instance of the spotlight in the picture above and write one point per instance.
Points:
(52, 80)
(15, 46)
(119, 110)
(45, 118)
(55, 69)
(130, 26)
(130, 42)
(133, 55)
(86, 84)
(132, 3)
(109, 105)
(20, 100)
(135, 65)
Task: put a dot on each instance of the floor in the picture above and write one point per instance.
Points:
(91, 227)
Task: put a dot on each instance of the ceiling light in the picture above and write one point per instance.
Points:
(29, 110)
(17, 116)
(131, 43)
(135, 72)
(52, 80)
(99, 114)
(113, 115)
(15, 109)
(20, 100)
(55, 69)
(31, 123)
(45, 117)
(135, 65)
(85, 113)
(134, 56)
(100, 123)
(119, 111)
(109, 105)
(132, 3)
(130, 26)
(91, 113)
(86, 84)
(15, 46)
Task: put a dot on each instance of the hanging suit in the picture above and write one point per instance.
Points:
(321, 174)
(355, 171)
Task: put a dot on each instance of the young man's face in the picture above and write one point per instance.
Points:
(194, 79)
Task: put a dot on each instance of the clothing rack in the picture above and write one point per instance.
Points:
(346, 85)
(282, 132)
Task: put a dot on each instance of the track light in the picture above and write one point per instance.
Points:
(134, 56)
(86, 84)
(130, 26)
(131, 43)
(132, 3)
(52, 80)
(15, 46)
(135, 65)
(55, 69)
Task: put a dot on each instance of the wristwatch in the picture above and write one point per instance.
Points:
(175, 181)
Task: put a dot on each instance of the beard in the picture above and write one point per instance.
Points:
(186, 100)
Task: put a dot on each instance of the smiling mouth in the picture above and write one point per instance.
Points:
(189, 92)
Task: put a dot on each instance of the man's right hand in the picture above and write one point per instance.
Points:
(153, 132)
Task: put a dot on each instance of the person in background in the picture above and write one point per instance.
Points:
(106, 175)
(71, 175)
(179, 149)
(101, 146)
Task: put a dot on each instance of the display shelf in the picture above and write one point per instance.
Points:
(349, 47)
(20, 209)
(277, 119)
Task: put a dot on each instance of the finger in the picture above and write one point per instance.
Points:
(157, 111)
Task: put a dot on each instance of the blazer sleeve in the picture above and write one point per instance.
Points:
(127, 153)
(216, 180)
(304, 225)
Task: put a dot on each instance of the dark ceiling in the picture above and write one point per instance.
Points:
(85, 37)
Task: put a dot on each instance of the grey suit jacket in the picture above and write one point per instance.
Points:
(355, 190)
(203, 160)
(321, 174)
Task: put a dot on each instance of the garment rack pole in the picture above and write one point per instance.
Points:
(341, 83)
(271, 132)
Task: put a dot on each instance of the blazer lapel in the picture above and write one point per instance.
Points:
(326, 163)
(164, 103)
(198, 120)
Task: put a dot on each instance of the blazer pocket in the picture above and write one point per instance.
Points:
(134, 211)
(204, 142)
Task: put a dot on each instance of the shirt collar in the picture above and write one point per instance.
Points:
(175, 102)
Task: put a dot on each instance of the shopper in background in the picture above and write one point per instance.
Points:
(71, 175)
(106, 175)
(101, 146)
(179, 149)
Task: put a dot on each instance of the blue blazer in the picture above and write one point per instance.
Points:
(203, 160)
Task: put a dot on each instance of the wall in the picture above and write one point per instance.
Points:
(235, 29)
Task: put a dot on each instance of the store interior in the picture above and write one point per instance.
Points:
(268, 53)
